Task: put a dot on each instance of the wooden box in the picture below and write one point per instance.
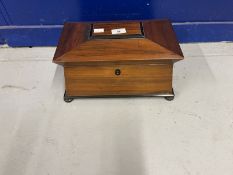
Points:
(130, 58)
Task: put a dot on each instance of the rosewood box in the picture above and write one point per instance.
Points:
(129, 58)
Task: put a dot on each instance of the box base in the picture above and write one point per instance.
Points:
(168, 97)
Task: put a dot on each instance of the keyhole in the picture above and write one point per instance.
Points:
(117, 72)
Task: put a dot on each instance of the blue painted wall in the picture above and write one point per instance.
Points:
(39, 22)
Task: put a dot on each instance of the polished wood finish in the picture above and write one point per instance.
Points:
(113, 50)
(162, 33)
(133, 80)
(145, 63)
(157, 44)
(73, 35)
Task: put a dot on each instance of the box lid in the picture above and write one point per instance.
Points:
(117, 42)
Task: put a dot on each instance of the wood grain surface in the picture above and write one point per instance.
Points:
(162, 33)
(73, 35)
(76, 46)
(113, 50)
(133, 80)
(100, 66)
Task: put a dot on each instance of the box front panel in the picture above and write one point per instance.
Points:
(143, 79)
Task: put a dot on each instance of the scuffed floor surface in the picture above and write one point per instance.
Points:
(40, 134)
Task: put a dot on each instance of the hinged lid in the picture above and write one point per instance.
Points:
(83, 43)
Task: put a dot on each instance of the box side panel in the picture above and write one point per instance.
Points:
(129, 80)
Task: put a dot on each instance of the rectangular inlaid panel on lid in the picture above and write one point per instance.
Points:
(117, 29)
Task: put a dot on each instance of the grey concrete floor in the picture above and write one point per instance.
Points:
(42, 135)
